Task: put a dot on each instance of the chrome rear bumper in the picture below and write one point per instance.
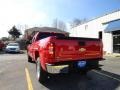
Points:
(57, 69)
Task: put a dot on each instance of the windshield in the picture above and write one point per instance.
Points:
(13, 44)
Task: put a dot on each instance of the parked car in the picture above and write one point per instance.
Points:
(51, 50)
(12, 47)
(1, 45)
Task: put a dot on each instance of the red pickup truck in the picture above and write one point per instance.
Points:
(57, 52)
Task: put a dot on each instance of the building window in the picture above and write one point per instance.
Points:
(86, 27)
(100, 34)
(116, 41)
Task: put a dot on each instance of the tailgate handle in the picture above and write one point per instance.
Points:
(81, 43)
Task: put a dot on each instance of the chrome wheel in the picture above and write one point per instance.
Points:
(41, 74)
(38, 69)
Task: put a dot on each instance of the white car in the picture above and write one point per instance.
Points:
(12, 47)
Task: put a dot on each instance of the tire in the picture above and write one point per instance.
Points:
(29, 58)
(41, 74)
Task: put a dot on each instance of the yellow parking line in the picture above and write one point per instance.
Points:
(107, 75)
(29, 82)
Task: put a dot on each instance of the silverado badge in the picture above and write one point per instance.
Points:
(82, 49)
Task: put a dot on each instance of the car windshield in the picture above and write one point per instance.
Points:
(13, 44)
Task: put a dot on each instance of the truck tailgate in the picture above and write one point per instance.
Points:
(70, 48)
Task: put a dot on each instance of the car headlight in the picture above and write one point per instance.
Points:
(6, 48)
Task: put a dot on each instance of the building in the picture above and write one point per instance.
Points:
(31, 31)
(107, 27)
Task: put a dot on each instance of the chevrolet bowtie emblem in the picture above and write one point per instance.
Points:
(82, 49)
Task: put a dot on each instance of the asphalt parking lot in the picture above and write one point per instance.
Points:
(17, 74)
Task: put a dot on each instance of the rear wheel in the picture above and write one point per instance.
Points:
(41, 74)
(29, 58)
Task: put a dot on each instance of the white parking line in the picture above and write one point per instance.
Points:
(107, 75)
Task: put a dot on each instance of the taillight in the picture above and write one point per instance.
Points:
(101, 48)
(51, 48)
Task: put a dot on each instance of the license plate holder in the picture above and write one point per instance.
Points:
(81, 64)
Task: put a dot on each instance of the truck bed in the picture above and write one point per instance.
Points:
(78, 38)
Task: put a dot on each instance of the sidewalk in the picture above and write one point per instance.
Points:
(113, 55)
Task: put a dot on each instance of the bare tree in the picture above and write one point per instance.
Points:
(59, 24)
(77, 21)
(55, 23)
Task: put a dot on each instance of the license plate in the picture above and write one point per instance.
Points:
(81, 64)
(12, 48)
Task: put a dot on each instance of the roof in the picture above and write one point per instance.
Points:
(99, 17)
(113, 26)
(45, 29)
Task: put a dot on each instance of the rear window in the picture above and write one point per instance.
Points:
(44, 35)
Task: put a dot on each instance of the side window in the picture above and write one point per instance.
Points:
(33, 39)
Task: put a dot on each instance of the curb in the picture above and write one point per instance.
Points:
(113, 55)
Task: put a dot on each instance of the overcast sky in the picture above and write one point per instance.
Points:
(30, 13)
